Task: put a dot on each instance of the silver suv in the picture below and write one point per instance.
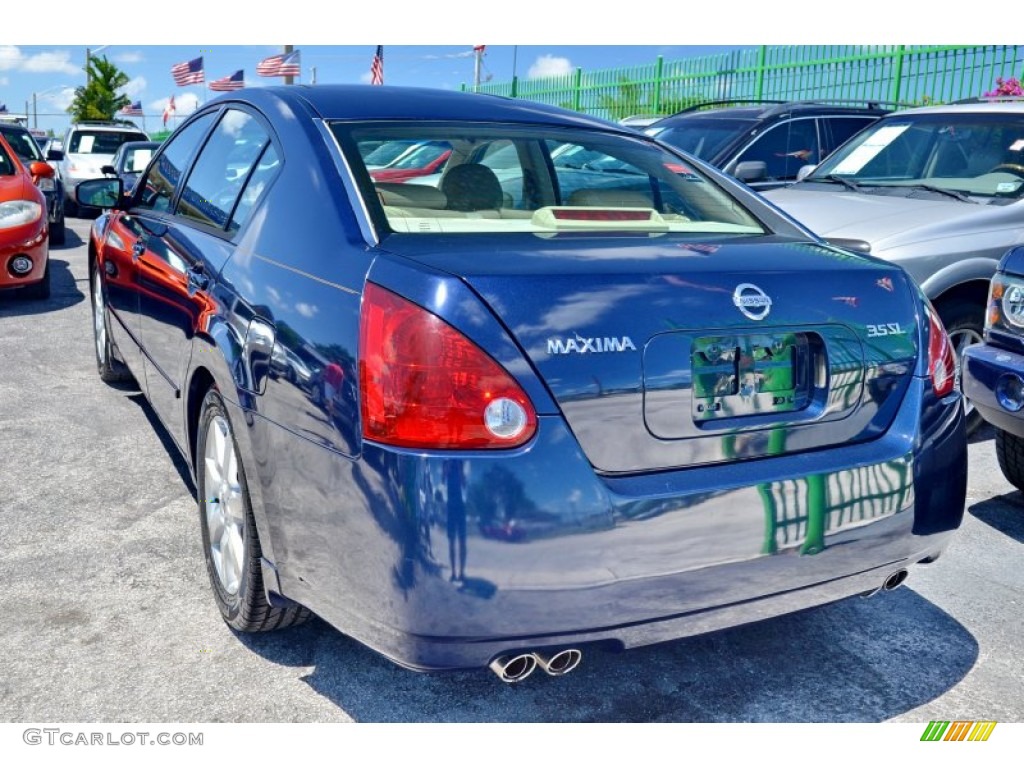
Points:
(87, 148)
(937, 190)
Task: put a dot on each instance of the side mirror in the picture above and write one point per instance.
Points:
(109, 170)
(100, 193)
(805, 171)
(55, 154)
(40, 170)
(751, 170)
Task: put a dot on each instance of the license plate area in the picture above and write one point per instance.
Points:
(751, 374)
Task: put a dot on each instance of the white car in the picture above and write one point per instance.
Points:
(937, 190)
(87, 148)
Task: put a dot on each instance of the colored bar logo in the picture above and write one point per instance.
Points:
(958, 730)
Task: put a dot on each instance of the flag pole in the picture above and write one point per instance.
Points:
(288, 79)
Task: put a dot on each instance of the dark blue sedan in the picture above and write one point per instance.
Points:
(993, 371)
(479, 422)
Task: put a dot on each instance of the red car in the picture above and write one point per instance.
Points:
(24, 233)
(421, 160)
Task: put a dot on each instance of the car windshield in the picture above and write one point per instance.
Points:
(506, 179)
(421, 156)
(6, 166)
(382, 153)
(86, 142)
(24, 145)
(704, 137)
(971, 154)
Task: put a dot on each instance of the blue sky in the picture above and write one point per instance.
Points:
(52, 72)
(529, 37)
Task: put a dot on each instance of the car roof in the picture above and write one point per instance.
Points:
(968, 107)
(364, 102)
(764, 110)
(103, 126)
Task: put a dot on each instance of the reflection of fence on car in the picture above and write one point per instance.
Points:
(802, 512)
(906, 73)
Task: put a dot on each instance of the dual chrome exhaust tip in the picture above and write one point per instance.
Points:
(892, 581)
(518, 667)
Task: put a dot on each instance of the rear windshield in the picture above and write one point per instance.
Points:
(86, 142)
(702, 136)
(494, 178)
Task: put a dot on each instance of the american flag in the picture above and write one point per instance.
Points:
(281, 65)
(231, 83)
(134, 109)
(189, 72)
(377, 67)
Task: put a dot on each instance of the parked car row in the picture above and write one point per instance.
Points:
(579, 389)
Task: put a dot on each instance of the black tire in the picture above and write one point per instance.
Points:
(242, 600)
(1010, 453)
(70, 207)
(57, 234)
(41, 290)
(965, 324)
(110, 369)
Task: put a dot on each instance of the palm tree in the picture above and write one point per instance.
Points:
(99, 99)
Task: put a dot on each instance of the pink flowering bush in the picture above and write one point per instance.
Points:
(1009, 87)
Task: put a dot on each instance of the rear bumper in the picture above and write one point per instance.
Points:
(621, 561)
(982, 368)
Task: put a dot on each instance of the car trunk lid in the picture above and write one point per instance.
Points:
(662, 352)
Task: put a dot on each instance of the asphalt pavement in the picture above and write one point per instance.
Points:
(106, 613)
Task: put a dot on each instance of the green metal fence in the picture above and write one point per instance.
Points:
(899, 73)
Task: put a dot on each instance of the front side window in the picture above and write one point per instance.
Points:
(960, 153)
(518, 179)
(785, 148)
(156, 190)
(222, 168)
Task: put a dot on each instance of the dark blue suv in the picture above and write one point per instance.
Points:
(762, 142)
(529, 408)
(993, 372)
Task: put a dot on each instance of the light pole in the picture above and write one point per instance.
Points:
(35, 95)
(88, 55)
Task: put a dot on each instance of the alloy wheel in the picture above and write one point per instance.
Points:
(224, 504)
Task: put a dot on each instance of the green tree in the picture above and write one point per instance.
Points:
(629, 100)
(99, 99)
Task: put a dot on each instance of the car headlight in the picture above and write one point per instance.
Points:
(16, 213)
(46, 185)
(1005, 304)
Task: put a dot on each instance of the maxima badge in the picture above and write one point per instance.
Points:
(752, 301)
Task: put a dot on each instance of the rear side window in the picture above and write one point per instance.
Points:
(264, 172)
(221, 171)
(159, 185)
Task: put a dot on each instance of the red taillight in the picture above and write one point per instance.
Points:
(425, 385)
(941, 360)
